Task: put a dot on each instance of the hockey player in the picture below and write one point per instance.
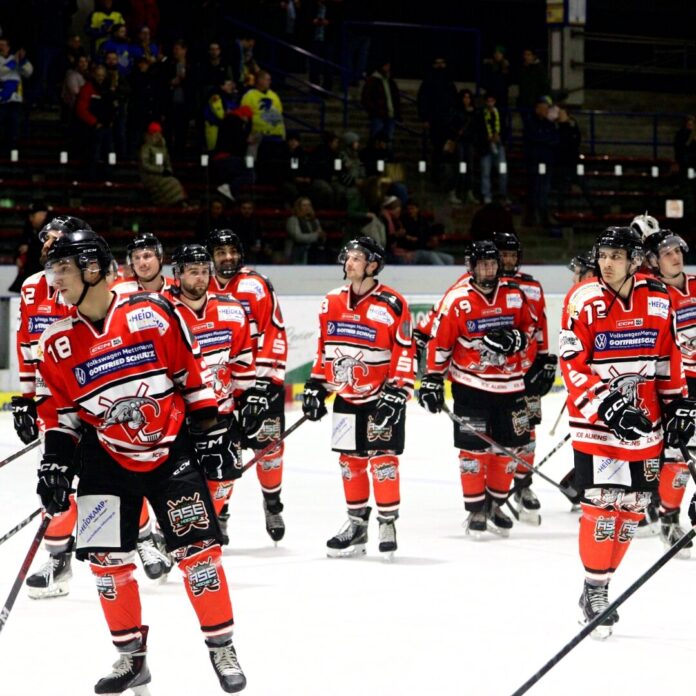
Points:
(144, 257)
(39, 307)
(623, 372)
(365, 355)
(484, 340)
(270, 345)
(126, 376)
(540, 377)
(582, 266)
(221, 328)
(645, 225)
(665, 258)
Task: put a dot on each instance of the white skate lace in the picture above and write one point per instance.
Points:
(150, 554)
(347, 531)
(225, 660)
(122, 666)
(386, 531)
(48, 569)
(598, 598)
(528, 494)
(274, 520)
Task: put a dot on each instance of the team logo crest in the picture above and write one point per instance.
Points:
(186, 514)
(604, 529)
(651, 470)
(627, 531)
(203, 577)
(385, 472)
(130, 412)
(629, 386)
(222, 380)
(269, 430)
(375, 433)
(106, 587)
(347, 369)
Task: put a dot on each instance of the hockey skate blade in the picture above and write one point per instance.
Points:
(58, 589)
(600, 632)
(649, 530)
(683, 554)
(498, 531)
(531, 517)
(387, 556)
(351, 552)
(141, 690)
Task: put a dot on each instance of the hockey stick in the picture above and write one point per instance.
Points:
(21, 452)
(568, 491)
(19, 580)
(668, 555)
(552, 432)
(271, 445)
(21, 525)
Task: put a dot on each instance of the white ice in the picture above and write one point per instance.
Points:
(449, 616)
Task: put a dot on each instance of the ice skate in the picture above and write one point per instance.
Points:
(155, 560)
(476, 524)
(53, 578)
(226, 666)
(649, 525)
(130, 671)
(352, 537)
(671, 532)
(527, 506)
(275, 525)
(593, 601)
(498, 522)
(223, 519)
(387, 537)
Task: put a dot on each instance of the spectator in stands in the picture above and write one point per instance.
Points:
(358, 40)
(28, 251)
(119, 44)
(382, 102)
(425, 237)
(213, 72)
(247, 225)
(492, 149)
(214, 217)
(492, 217)
(322, 39)
(351, 177)
(533, 83)
(567, 158)
(120, 93)
(75, 78)
(144, 47)
(156, 169)
(14, 69)
(306, 239)
(95, 110)
(295, 174)
(143, 106)
(179, 88)
(267, 125)
(437, 101)
(496, 79)
(220, 105)
(324, 190)
(99, 23)
(685, 146)
(143, 14)
(464, 133)
(229, 167)
(244, 65)
(540, 146)
(74, 50)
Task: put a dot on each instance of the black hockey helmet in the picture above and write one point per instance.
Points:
(190, 253)
(509, 241)
(482, 251)
(61, 224)
(620, 238)
(582, 263)
(658, 242)
(145, 240)
(226, 237)
(372, 250)
(85, 246)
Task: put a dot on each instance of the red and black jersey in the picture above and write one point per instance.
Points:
(684, 304)
(222, 331)
(127, 286)
(134, 378)
(266, 325)
(425, 325)
(363, 347)
(609, 343)
(39, 307)
(456, 345)
(535, 296)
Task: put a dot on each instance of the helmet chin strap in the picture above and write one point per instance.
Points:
(86, 286)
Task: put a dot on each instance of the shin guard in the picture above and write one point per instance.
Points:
(385, 483)
(356, 484)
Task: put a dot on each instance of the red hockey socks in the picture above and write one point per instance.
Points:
(673, 479)
(626, 525)
(269, 470)
(385, 482)
(472, 473)
(356, 484)
(220, 492)
(499, 475)
(596, 539)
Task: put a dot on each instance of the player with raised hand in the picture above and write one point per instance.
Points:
(623, 372)
(483, 339)
(261, 408)
(365, 355)
(126, 377)
(221, 328)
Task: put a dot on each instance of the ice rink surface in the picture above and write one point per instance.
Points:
(449, 616)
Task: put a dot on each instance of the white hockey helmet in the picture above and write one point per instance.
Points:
(645, 225)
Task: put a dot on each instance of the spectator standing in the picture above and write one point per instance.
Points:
(212, 72)
(143, 14)
(99, 23)
(496, 79)
(322, 41)
(119, 44)
(14, 68)
(179, 87)
(144, 46)
(352, 175)
(213, 218)
(75, 78)
(533, 83)
(492, 150)
(156, 169)
(120, 92)
(305, 236)
(28, 251)
(74, 50)
(464, 130)
(324, 190)
(567, 158)
(247, 226)
(295, 173)
(144, 106)
(382, 102)
(267, 122)
(244, 65)
(425, 237)
(685, 146)
(220, 106)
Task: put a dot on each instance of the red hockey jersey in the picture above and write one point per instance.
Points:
(127, 286)
(684, 304)
(632, 349)
(362, 348)
(535, 296)
(456, 345)
(222, 331)
(266, 325)
(39, 307)
(425, 325)
(134, 380)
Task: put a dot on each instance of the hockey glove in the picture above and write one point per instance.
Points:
(679, 421)
(313, 399)
(216, 452)
(626, 422)
(421, 340)
(692, 510)
(431, 395)
(390, 407)
(55, 482)
(505, 341)
(255, 403)
(541, 375)
(24, 415)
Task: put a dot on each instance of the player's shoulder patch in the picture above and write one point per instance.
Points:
(255, 284)
(526, 277)
(57, 327)
(582, 294)
(391, 299)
